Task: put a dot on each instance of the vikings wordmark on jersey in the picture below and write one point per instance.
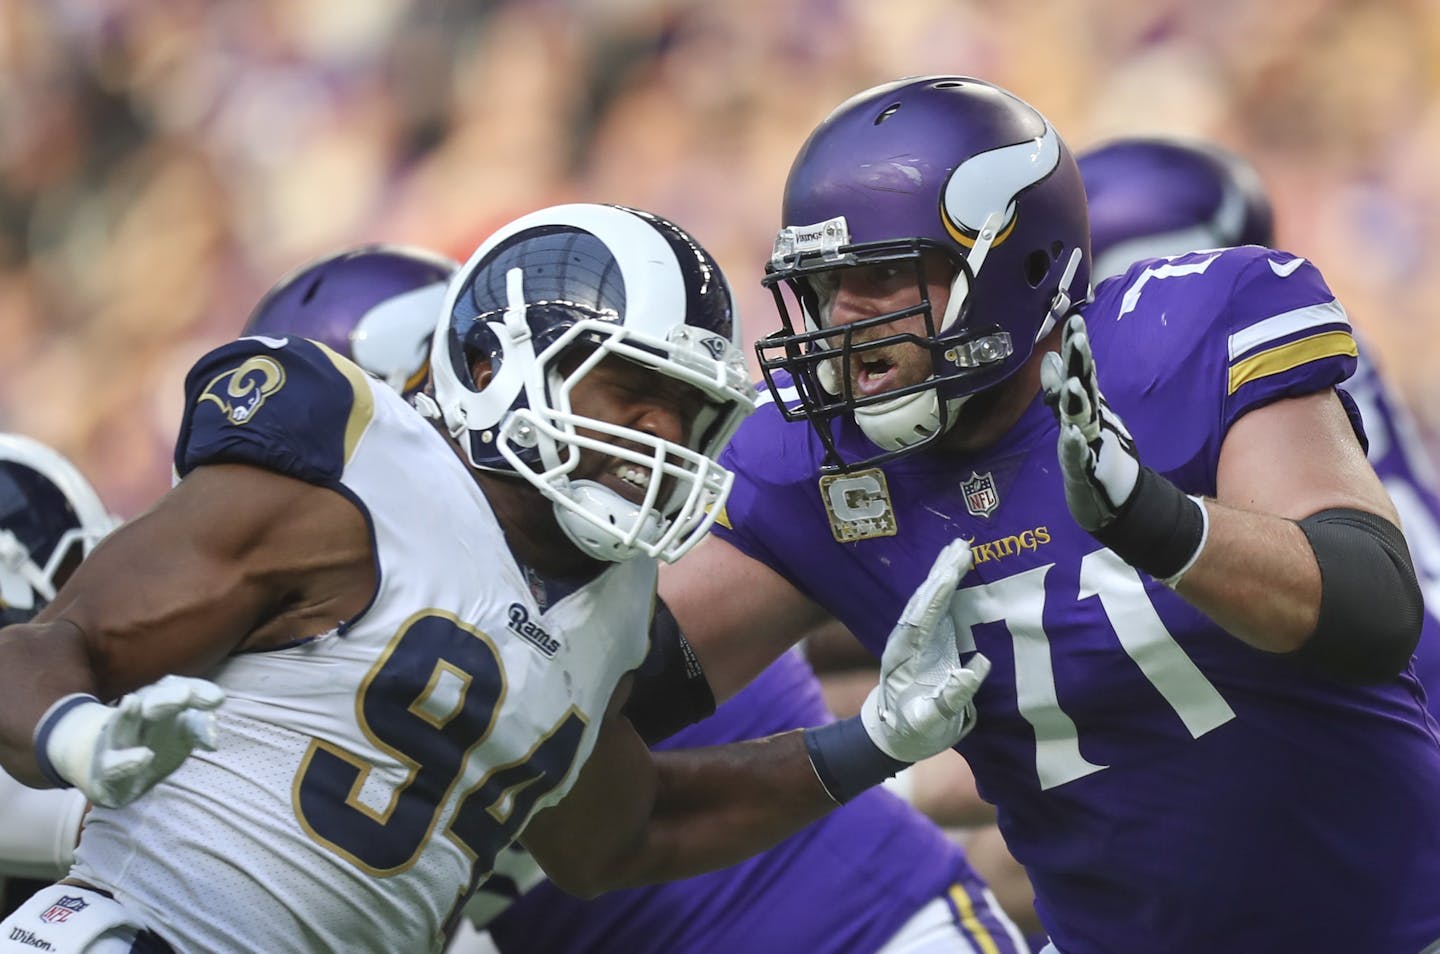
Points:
(1111, 700)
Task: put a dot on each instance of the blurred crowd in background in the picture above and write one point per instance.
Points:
(162, 162)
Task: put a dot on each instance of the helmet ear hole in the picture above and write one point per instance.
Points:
(1037, 266)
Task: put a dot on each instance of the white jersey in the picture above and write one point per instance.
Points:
(364, 780)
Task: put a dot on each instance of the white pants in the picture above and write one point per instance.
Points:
(66, 919)
(934, 930)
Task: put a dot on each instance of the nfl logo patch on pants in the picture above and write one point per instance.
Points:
(69, 919)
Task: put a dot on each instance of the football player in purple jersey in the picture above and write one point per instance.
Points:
(358, 650)
(1201, 731)
(50, 517)
(1153, 197)
(792, 897)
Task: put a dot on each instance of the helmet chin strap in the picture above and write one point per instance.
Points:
(904, 421)
(960, 286)
(1061, 304)
(622, 515)
(908, 420)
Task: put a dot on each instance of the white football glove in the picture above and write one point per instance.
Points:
(924, 702)
(1097, 454)
(115, 754)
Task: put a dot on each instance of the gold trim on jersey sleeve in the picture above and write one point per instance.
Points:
(362, 407)
(1292, 355)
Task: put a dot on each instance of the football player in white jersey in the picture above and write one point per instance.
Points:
(334, 683)
(373, 304)
(360, 302)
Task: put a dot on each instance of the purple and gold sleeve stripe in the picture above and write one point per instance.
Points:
(1287, 341)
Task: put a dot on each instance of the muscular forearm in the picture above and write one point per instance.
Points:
(635, 818)
(1257, 577)
(717, 806)
(39, 663)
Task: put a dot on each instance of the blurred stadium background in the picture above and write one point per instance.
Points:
(163, 161)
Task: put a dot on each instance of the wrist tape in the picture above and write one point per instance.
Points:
(846, 760)
(58, 710)
(1159, 529)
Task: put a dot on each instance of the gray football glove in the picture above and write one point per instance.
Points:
(1128, 507)
(1097, 454)
(924, 703)
(115, 754)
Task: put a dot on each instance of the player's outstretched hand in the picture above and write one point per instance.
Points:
(1134, 511)
(115, 754)
(1097, 454)
(924, 702)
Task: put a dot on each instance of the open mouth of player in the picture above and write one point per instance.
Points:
(630, 481)
(873, 374)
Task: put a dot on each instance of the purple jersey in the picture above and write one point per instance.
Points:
(843, 885)
(1396, 453)
(1167, 787)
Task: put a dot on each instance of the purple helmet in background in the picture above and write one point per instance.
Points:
(1152, 197)
(377, 305)
(947, 163)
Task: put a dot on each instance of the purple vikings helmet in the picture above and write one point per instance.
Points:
(599, 280)
(375, 304)
(947, 163)
(1154, 197)
(50, 519)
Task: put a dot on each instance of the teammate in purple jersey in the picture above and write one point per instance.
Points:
(796, 896)
(1200, 731)
(1154, 197)
(874, 875)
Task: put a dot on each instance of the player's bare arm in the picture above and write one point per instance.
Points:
(233, 557)
(636, 818)
(1313, 565)
(1257, 576)
(674, 814)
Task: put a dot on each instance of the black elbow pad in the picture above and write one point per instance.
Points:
(670, 690)
(1370, 603)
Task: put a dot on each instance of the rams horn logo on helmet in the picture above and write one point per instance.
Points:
(716, 345)
(246, 388)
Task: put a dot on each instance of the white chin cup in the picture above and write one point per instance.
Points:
(604, 525)
(907, 420)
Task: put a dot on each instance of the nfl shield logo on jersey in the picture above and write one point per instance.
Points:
(981, 498)
(62, 909)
